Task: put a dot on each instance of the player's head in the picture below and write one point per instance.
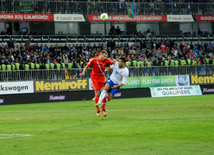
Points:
(121, 62)
(103, 55)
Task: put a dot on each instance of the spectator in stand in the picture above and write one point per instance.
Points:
(27, 45)
(11, 44)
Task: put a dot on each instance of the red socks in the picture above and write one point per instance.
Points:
(104, 100)
(96, 101)
(103, 107)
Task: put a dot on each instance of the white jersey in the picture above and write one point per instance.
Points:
(119, 75)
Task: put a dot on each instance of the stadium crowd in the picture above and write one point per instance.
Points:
(146, 53)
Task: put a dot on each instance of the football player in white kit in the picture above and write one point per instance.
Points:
(117, 79)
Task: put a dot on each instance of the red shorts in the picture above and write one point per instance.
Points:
(98, 83)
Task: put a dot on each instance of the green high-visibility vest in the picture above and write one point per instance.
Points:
(166, 63)
(70, 65)
(8, 67)
(172, 63)
(161, 63)
(141, 63)
(128, 64)
(17, 65)
(47, 66)
(194, 62)
(138, 64)
(58, 66)
(149, 64)
(188, 61)
(135, 63)
(207, 60)
(176, 63)
(13, 67)
(63, 65)
(27, 67)
(52, 65)
(37, 66)
(3, 66)
(184, 62)
(32, 65)
(0, 67)
(213, 61)
(81, 62)
(198, 62)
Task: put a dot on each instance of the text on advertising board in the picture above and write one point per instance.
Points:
(63, 85)
(202, 79)
(175, 91)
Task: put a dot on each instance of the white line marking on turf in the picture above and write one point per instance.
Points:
(8, 136)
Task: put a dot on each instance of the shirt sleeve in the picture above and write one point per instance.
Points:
(109, 61)
(90, 62)
(112, 66)
(124, 80)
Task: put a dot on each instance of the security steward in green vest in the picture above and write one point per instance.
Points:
(9, 73)
(207, 60)
(149, 65)
(182, 67)
(32, 65)
(70, 64)
(134, 62)
(129, 63)
(17, 64)
(172, 66)
(3, 67)
(8, 66)
(14, 72)
(47, 70)
(62, 64)
(37, 65)
(176, 62)
(194, 61)
(13, 66)
(58, 67)
(189, 62)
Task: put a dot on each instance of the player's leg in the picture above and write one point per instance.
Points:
(112, 92)
(96, 93)
(103, 93)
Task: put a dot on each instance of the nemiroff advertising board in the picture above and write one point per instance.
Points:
(156, 81)
(61, 85)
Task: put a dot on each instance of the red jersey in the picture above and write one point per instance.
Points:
(163, 48)
(98, 70)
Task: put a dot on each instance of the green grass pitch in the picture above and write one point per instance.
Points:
(173, 125)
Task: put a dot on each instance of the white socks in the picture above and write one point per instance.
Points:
(102, 96)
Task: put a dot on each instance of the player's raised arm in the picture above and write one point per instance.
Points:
(86, 67)
(107, 69)
(84, 70)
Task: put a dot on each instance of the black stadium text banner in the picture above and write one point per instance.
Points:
(61, 85)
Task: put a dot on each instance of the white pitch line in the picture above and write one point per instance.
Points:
(8, 136)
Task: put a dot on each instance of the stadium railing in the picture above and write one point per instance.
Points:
(54, 74)
(82, 7)
(101, 38)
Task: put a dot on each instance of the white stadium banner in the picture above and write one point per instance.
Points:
(180, 18)
(175, 91)
(16, 87)
(69, 18)
(90, 84)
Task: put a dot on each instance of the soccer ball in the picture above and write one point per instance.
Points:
(104, 16)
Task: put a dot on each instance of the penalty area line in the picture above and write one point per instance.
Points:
(8, 136)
